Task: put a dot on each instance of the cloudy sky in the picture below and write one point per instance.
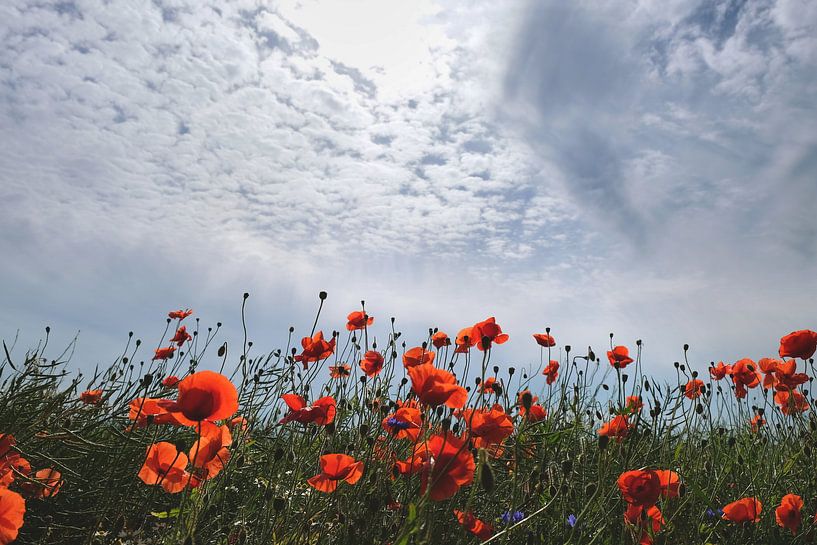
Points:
(647, 167)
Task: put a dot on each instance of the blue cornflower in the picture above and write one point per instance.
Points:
(508, 517)
(571, 520)
(399, 424)
(714, 513)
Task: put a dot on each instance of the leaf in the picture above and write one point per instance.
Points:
(173, 513)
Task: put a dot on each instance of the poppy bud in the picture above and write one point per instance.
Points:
(486, 477)
(590, 354)
(329, 428)
(364, 429)
(125, 360)
(278, 504)
(676, 364)
(497, 388)
(363, 379)
(511, 371)
(603, 440)
(403, 381)
(646, 386)
(683, 367)
(446, 424)
(699, 408)
(222, 350)
(496, 369)
(322, 295)
(567, 348)
(624, 378)
(605, 386)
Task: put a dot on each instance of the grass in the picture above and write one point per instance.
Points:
(557, 474)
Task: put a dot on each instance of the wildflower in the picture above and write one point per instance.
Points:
(45, 483)
(508, 517)
(649, 520)
(204, 395)
(12, 509)
(791, 402)
(641, 487)
(798, 344)
(535, 414)
(633, 404)
(488, 427)
(358, 320)
(481, 529)
(756, 422)
(171, 381)
(405, 423)
(179, 314)
(744, 374)
(464, 340)
(487, 385)
(210, 453)
(437, 387)
(743, 510)
(618, 427)
(788, 513)
(440, 339)
(787, 377)
(91, 397)
(571, 520)
(444, 464)
(487, 332)
(417, 356)
(372, 363)
(238, 422)
(714, 513)
(164, 353)
(166, 466)
(551, 371)
(544, 340)
(720, 371)
(670, 483)
(339, 371)
(694, 388)
(322, 412)
(315, 348)
(10, 461)
(146, 409)
(334, 468)
(619, 357)
(181, 336)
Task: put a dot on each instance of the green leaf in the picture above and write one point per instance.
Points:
(173, 513)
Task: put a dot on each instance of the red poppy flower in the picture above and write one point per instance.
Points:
(791, 402)
(640, 487)
(210, 453)
(544, 340)
(649, 520)
(146, 409)
(464, 340)
(417, 356)
(334, 468)
(788, 513)
(204, 395)
(45, 483)
(743, 510)
(481, 529)
(440, 339)
(798, 344)
(91, 397)
(339, 371)
(179, 314)
(372, 363)
(10, 461)
(536, 413)
(756, 422)
(670, 483)
(358, 320)
(618, 427)
(315, 348)
(12, 509)
(786, 376)
(238, 422)
(405, 423)
(435, 387)
(551, 371)
(619, 357)
(694, 388)
(487, 427)
(744, 374)
(633, 404)
(720, 371)
(322, 412)
(164, 353)
(445, 464)
(181, 336)
(171, 381)
(488, 332)
(166, 466)
(487, 385)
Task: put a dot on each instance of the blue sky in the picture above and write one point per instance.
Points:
(642, 167)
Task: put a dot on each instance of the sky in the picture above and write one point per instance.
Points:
(642, 167)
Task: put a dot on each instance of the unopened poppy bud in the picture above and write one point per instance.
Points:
(527, 400)
(446, 424)
(403, 381)
(322, 295)
(147, 379)
(676, 364)
(699, 408)
(222, 350)
(590, 354)
(567, 348)
(603, 440)
(511, 371)
(496, 369)
(486, 477)
(624, 378)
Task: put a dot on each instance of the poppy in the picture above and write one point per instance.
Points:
(166, 466)
(798, 344)
(544, 340)
(720, 371)
(487, 427)
(641, 487)
(210, 453)
(339, 371)
(756, 422)
(334, 468)
(12, 509)
(791, 402)
(445, 464)
(372, 363)
(649, 520)
(551, 371)
(744, 374)
(45, 483)
(164, 353)
(91, 397)
(179, 314)
(482, 530)
(440, 339)
(315, 348)
(358, 320)
(633, 404)
(786, 376)
(435, 387)
(181, 336)
(170, 382)
(322, 412)
(487, 385)
(535, 414)
(743, 510)
(10, 460)
(488, 332)
(464, 340)
(619, 357)
(618, 427)
(788, 513)
(417, 356)
(238, 422)
(670, 483)
(694, 388)
(204, 395)
(145, 409)
(405, 423)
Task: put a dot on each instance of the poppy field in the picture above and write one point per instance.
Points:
(351, 433)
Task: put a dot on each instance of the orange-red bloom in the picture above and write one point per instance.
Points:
(179, 314)
(405, 423)
(633, 404)
(171, 381)
(481, 529)
(551, 371)
(358, 320)
(417, 356)
(45, 483)
(464, 340)
(445, 464)
(91, 397)
(210, 453)
(791, 402)
(12, 509)
(487, 385)
(322, 412)
(649, 520)
(315, 348)
(204, 395)
(619, 357)
(339, 371)
(670, 483)
(545, 340)
(788, 513)
(744, 374)
(166, 466)
(618, 427)
(145, 409)
(434, 387)
(372, 363)
(488, 332)
(694, 388)
(488, 427)
(743, 510)
(10, 460)
(798, 344)
(334, 468)
(181, 336)
(640, 487)
(440, 339)
(756, 422)
(719, 371)
(164, 353)
(535, 414)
